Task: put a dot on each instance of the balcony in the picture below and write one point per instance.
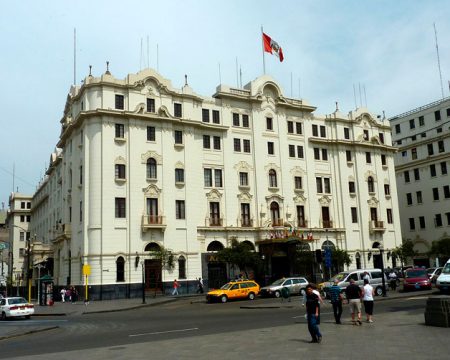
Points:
(327, 224)
(277, 222)
(375, 225)
(246, 222)
(153, 222)
(215, 221)
(302, 223)
(63, 230)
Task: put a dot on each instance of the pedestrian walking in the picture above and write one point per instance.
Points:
(336, 301)
(368, 293)
(69, 294)
(366, 276)
(200, 286)
(63, 294)
(353, 293)
(175, 286)
(313, 315)
(393, 280)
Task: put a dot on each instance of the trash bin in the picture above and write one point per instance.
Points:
(46, 291)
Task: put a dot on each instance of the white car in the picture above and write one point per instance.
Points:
(15, 306)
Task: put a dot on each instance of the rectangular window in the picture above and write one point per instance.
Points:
(22, 236)
(381, 137)
(301, 221)
(207, 175)
(324, 154)
(216, 141)
(177, 110)
(348, 155)
(315, 130)
(28, 219)
(437, 115)
(354, 215)
(243, 179)
(179, 175)
(236, 119)
(438, 220)
(435, 194)
(237, 144)
(151, 134)
(443, 168)
(408, 199)
(430, 149)
(416, 174)
(319, 185)
(424, 135)
(351, 187)
(406, 174)
(290, 127)
(120, 171)
(419, 197)
(298, 128)
(441, 147)
(245, 214)
(447, 191)
(214, 213)
(246, 145)
(422, 222)
(368, 158)
(119, 102)
(205, 115)
(269, 124)
(366, 135)
(120, 131)
(421, 121)
(448, 112)
(298, 182)
(413, 138)
(389, 215)
(300, 153)
(151, 105)
(448, 215)
(291, 150)
(179, 209)
(346, 133)
(70, 213)
(206, 142)
(414, 153)
(29, 204)
(120, 208)
(438, 130)
(22, 204)
(22, 218)
(327, 185)
(218, 177)
(383, 160)
(323, 131)
(316, 153)
(178, 135)
(245, 122)
(397, 129)
(387, 189)
(270, 148)
(412, 225)
(216, 116)
(433, 170)
(412, 124)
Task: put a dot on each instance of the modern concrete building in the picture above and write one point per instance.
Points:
(422, 164)
(141, 165)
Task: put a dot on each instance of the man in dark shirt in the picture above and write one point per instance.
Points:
(336, 300)
(312, 312)
(353, 293)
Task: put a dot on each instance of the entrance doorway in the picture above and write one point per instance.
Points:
(217, 275)
(153, 273)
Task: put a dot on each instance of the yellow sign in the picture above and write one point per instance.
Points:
(86, 270)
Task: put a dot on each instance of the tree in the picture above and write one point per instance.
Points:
(440, 248)
(404, 251)
(240, 255)
(166, 259)
(340, 258)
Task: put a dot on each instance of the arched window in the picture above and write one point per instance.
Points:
(275, 213)
(120, 269)
(215, 246)
(272, 178)
(327, 244)
(182, 267)
(151, 168)
(370, 184)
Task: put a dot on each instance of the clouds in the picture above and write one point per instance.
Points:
(329, 45)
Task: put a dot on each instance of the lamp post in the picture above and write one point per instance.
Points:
(143, 281)
(382, 270)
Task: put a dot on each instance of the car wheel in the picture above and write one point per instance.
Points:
(224, 298)
(379, 291)
(302, 292)
(251, 296)
(3, 317)
(277, 294)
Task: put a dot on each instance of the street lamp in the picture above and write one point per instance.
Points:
(382, 270)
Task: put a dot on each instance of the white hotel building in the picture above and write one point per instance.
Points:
(140, 164)
(422, 165)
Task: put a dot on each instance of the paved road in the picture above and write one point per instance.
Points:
(183, 330)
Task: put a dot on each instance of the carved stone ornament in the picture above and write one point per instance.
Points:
(274, 197)
(372, 174)
(325, 200)
(373, 202)
(214, 195)
(152, 191)
(366, 119)
(164, 112)
(297, 171)
(151, 154)
(243, 166)
(244, 196)
(272, 166)
(120, 160)
(299, 199)
(179, 165)
(139, 109)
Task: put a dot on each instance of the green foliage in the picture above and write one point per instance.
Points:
(165, 256)
(441, 248)
(240, 255)
(340, 257)
(404, 251)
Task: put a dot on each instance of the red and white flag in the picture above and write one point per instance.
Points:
(271, 46)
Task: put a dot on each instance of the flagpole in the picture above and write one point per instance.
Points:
(264, 59)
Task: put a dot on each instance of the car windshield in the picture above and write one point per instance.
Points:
(278, 282)
(341, 276)
(430, 271)
(415, 273)
(17, 301)
(446, 269)
(227, 286)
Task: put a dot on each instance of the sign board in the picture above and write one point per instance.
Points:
(86, 270)
(375, 251)
(3, 246)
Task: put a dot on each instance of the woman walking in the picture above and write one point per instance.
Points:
(368, 294)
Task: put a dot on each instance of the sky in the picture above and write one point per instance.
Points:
(385, 48)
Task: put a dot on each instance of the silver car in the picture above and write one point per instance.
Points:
(296, 286)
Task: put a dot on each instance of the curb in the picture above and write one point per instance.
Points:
(128, 308)
(28, 332)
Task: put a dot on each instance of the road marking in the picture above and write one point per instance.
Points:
(163, 332)
(418, 297)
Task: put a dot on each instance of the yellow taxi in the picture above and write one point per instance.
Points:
(243, 289)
